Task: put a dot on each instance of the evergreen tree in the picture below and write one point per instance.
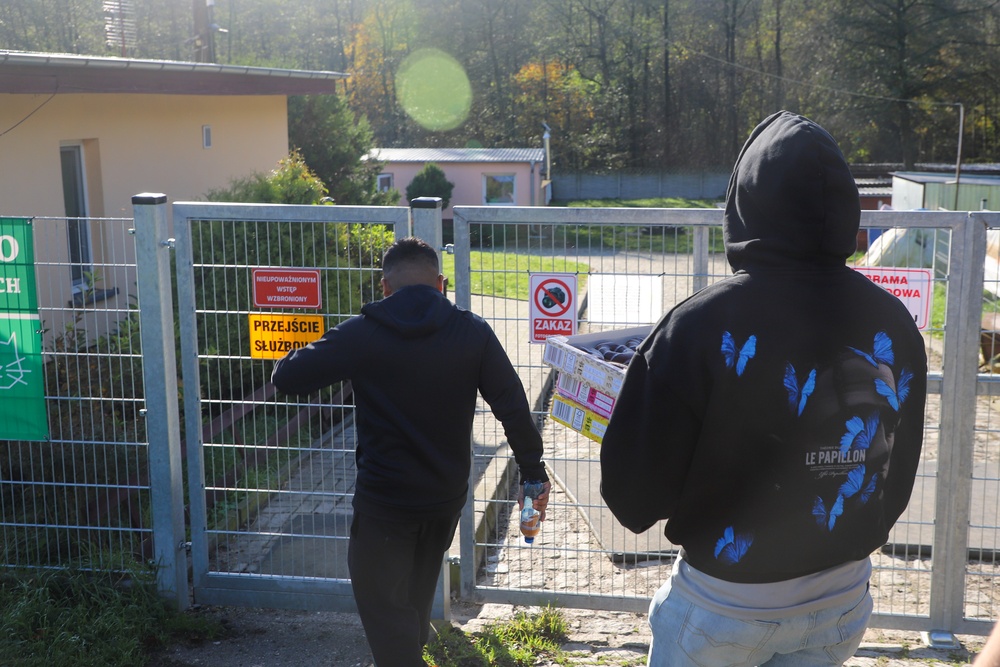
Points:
(335, 144)
(430, 182)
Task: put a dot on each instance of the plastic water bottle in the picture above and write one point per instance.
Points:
(531, 523)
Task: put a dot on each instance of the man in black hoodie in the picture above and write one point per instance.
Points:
(775, 420)
(416, 363)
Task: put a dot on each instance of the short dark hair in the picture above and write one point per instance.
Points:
(408, 261)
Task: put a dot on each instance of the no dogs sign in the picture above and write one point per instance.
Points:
(552, 305)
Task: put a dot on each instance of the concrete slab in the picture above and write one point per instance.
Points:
(314, 545)
(581, 479)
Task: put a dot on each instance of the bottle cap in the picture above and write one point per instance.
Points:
(529, 540)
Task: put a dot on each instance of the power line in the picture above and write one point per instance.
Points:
(30, 114)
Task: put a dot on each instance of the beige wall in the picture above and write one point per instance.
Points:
(468, 180)
(139, 143)
(131, 144)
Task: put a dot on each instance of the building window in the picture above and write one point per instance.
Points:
(498, 189)
(78, 229)
(384, 182)
(206, 136)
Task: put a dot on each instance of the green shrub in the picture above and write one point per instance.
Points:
(291, 182)
(430, 182)
(225, 251)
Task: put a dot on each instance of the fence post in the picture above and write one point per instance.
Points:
(159, 371)
(426, 214)
(957, 435)
(699, 255)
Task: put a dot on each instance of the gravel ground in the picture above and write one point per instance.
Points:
(281, 638)
(278, 638)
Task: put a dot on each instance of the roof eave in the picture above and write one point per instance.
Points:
(43, 73)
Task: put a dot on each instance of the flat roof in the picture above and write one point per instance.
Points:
(23, 72)
(458, 154)
(935, 177)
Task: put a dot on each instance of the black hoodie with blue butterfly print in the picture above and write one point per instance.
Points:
(775, 418)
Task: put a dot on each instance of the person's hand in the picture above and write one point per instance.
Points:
(539, 503)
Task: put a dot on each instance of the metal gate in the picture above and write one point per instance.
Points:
(271, 477)
(934, 573)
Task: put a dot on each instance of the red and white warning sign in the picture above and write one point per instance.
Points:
(553, 308)
(286, 288)
(911, 286)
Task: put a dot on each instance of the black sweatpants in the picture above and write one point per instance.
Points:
(394, 569)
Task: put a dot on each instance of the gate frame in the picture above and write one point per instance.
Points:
(958, 389)
(223, 588)
(959, 385)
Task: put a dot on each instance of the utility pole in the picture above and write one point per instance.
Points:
(204, 34)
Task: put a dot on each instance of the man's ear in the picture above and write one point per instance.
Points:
(440, 283)
(386, 287)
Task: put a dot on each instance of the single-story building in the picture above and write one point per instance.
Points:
(80, 135)
(937, 191)
(481, 176)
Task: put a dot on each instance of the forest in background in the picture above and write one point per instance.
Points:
(623, 84)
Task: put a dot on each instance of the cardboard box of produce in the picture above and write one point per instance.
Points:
(578, 418)
(598, 359)
(582, 393)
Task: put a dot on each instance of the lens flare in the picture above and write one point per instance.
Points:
(433, 89)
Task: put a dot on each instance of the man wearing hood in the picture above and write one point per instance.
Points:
(775, 420)
(416, 363)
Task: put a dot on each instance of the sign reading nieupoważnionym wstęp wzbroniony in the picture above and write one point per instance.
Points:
(23, 413)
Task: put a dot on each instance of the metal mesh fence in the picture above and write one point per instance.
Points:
(630, 270)
(271, 476)
(982, 570)
(80, 498)
(277, 471)
(627, 276)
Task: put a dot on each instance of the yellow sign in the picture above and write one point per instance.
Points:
(272, 336)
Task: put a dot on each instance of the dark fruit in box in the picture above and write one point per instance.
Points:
(615, 352)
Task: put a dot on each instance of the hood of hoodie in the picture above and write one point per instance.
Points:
(792, 199)
(413, 311)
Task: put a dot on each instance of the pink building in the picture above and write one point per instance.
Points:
(482, 176)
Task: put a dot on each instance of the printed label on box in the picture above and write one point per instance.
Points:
(567, 414)
(600, 374)
(580, 419)
(561, 357)
(595, 426)
(575, 389)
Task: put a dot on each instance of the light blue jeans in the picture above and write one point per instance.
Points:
(684, 634)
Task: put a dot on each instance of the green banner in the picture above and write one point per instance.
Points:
(23, 413)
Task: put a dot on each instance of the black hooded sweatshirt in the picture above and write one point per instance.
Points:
(775, 418)
(416, 363)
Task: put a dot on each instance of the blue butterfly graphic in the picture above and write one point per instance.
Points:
(882, 352)
(867, 492)
(852, 486)
(896, 397)
(798, 395)
(859, 433)
(732, 547)
(828, 517)
(738, 357)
